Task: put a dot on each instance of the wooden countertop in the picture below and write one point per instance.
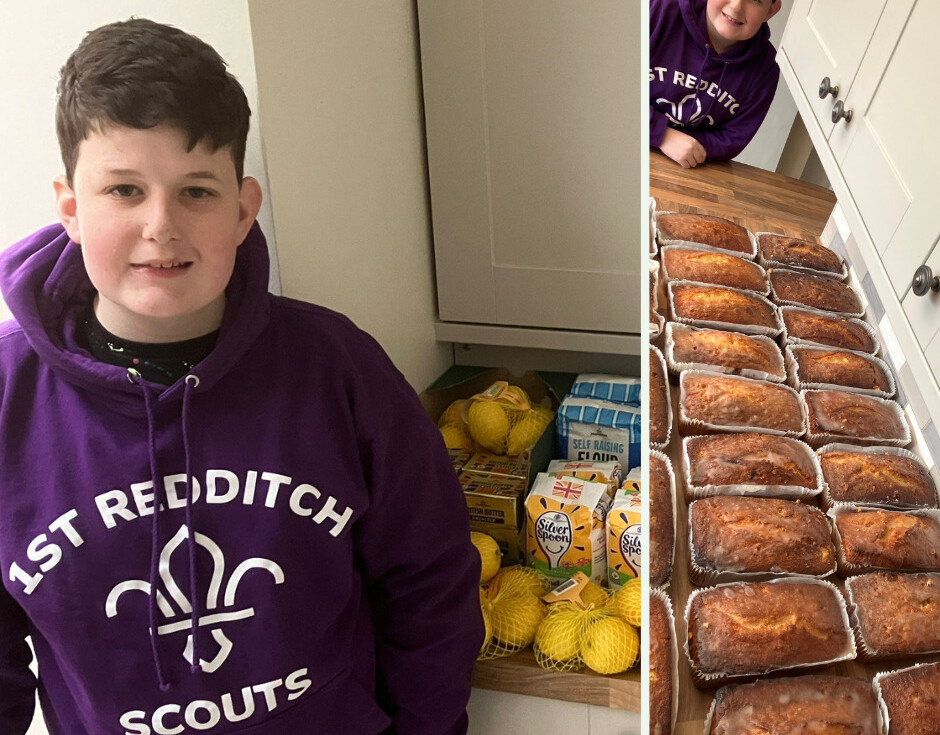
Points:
(760, 201)
(519, 674)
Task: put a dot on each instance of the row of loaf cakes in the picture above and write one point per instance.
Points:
(764, 355)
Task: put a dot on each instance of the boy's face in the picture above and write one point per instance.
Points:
(732, 21)
(159, 227)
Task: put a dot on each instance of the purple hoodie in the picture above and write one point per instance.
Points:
(335, 586)
(718, 99)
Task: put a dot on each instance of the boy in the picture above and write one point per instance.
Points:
(220, 511)
(713, 76)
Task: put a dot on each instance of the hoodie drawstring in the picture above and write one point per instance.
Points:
(190, 384)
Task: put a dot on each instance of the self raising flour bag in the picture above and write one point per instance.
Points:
(591, 429)
(565, 527)
(613, 388)
(624, 527)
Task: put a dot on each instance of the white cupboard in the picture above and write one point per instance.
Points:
(533, 139)
(883, 159)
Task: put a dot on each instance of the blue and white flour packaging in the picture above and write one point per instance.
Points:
(598, 430)
(613, 388)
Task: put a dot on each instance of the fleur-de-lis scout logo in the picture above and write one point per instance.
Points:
(678, 113)
(179, 617)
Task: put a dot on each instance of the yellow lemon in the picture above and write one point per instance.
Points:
(559, 635)
(489, 425)
(610, 646)
(626, 602)
(487, 623)
(456, 437)
(519, 397)
(516, 580)
(525, 433)
(516, 619)
(453, 414)
(490, 554)
(594, 594)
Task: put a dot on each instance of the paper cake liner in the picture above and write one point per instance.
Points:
(768, 263)
(704, 680)
(653, 248)
(820, 439)
(676, 366)
(865, 652)
(848, 569)
(671, 617)
(793, 372)
(688, 426)
(876, 685)
(672, 494)
(665, 241)
(702, 576)
(708, 249)
(787, 302)
(749, 329)
(786, 338)
(656, 320)
(826, 496)
(669, 415)
(787, 492)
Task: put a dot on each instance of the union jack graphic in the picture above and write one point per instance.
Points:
(567, 490)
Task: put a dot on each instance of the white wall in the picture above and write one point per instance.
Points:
(35, 39)
(765, 148)
(344, 141)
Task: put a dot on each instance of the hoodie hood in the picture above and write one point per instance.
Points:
(45, 286)
(693, 15)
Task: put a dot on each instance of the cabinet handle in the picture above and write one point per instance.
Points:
(826, 88)
(839, 111)
(924, 281)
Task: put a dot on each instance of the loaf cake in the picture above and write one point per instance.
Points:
(828, 330)
(716, 232)
(732, 534)
(796, 253)
(818, 366)
(747, 628)
(662, 524)
(711, 266)
(821, 705)
(723, 305)
(730, 352)
(750, 459)
(911, 698)
(877, 478)
(871, 538)
(728, 403)
(661, 665)
(847, 416)
(659, 399)
(820, 292)
(896, 614)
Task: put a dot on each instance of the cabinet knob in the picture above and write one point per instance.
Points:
(826, 88)
(839, 111)
(924, 281)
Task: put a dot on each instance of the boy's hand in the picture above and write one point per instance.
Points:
(681, 148)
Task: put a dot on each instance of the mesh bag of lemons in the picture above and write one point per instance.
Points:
(595, 628)
(501, 420)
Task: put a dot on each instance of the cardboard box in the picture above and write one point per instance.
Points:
(463, 382)
(459, 458)
(494, 501)
(483, 463)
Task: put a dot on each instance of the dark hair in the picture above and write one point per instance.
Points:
(140, 74)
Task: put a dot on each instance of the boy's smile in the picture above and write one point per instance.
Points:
(731, 21)
(159, 227)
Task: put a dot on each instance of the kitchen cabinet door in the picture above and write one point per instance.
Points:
(828, 38)
(888, 152)
(533, 140)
